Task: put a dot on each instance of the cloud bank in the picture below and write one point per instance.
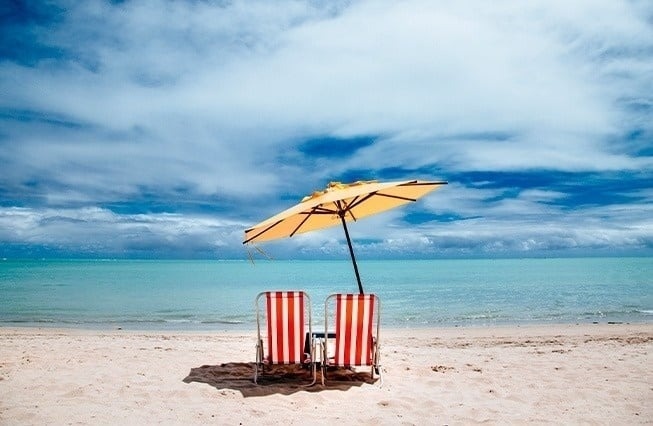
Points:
(164, 129)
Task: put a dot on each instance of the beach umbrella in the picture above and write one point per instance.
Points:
(338, 204)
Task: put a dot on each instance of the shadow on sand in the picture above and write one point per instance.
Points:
(281, 379)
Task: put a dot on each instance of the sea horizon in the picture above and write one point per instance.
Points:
(359, 257)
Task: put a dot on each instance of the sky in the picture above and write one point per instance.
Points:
(163, 129)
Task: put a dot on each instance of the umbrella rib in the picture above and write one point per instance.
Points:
(418, 183)
(308, 215)
(395, 196)
(356, 202)
(262, 232)
(319, 210)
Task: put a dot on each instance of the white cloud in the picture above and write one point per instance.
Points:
(100, 231)
(414, 70)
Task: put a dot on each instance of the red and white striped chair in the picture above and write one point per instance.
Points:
(287, 315)
(356, 331)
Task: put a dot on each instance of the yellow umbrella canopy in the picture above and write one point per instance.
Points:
(338, 204)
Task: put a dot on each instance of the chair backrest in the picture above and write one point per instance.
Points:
(354, 328)
(285, 312)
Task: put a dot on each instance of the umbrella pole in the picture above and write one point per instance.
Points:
(351, 252)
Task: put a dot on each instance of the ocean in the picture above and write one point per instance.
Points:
(219, 295)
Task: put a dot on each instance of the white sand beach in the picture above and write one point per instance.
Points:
(558, 374)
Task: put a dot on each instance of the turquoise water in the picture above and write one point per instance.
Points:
(219, 295)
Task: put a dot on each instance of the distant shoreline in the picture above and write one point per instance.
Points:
(339, 259)
(208, 329)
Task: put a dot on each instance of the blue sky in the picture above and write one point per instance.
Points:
(163, 129)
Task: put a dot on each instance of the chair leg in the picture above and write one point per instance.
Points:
(313, 364)
(376, 366)
(323, 360)
(259, 360)
(378, 373)
(313, 372)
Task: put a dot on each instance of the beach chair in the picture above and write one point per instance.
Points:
(287, 315)
(356, 332)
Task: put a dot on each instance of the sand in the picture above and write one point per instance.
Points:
(565, 374)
